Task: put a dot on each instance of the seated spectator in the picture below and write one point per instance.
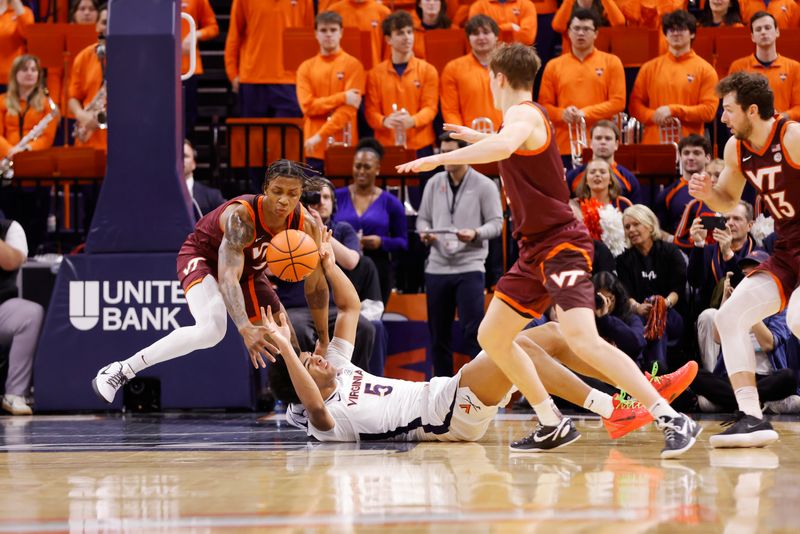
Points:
(652, 268)
(465, 94)
(718, 13)
(582, 86)
(329, 89)
(204, 198)
(782, 72)
(599, 184)
(207, 29)
(677, 84)
(710, 262)
(604, 140)
(365, 15)
(20, 320)
(428, 15)
(25, 105)
(607, 12)
(694, 152)
(14, 18)
(616, 322)
(84, 11)
(515, 16)
(786, 12)
(402, 92)
(87, 88)
(776, 381)
(377, 215)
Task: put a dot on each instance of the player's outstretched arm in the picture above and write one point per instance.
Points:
(304, 385)
(518, 125)
(316, 289)
(239, 232)
(345, 295)
(725, 194)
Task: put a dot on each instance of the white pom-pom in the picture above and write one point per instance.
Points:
(762, 227)
(613, 232)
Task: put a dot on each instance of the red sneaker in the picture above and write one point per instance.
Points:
(671, 385)
(628, 415)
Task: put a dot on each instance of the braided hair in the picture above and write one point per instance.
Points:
(286, 168)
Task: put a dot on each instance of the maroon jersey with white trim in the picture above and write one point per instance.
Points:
(536, 188)
(208, 234)
(776, 178)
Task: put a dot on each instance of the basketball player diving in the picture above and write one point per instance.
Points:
(554, 264)
(221, 269)
(765, 151)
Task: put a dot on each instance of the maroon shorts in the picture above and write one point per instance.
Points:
(257, 290)
(783, 266)
(555, 269)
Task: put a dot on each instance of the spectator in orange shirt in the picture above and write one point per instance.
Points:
(607, 10)
(254, 55)
(86, 81)
(515, 16)
(427, 15)
(84, 11)
(677, 84)
(402, 92)
(366, 15)
(718, 13)
(786, 12)
(24, 105)
(207, 29)
(648, 13)
(465, 93)
(584, 84)
(329, 89)
(14, 18)
(783, 73)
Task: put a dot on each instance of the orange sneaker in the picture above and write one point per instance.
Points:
(628, 415)
(671, 385)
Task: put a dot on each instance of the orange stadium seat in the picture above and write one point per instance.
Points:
(299, 44)
(339, 161)
(634, 46)
(789, 43)
(703, 46)
(730, 48)
(603, 41)
(254, 142)
(443, 46)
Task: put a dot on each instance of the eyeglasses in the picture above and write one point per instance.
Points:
(582, 29)
(677, 30)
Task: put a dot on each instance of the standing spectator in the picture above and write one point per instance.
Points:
(607, 12)
(365, 15)
(677, 84)
(719, 13)
(462, 200)
(204, 198)
(14, 18)
(785, 12)
(23, 106)
(465, 94)
(652, 267)
(254, 55)
(329, 89)
(428, 15)
(207, 29)
(402, 92)
(377, 215)
(782, 72)
(84, 12)
(87, 78)
(604, 142)
(515, 16)
(20, 320)
(648, 13)
(582, 85)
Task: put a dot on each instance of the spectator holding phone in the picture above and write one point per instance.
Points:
(709, 263)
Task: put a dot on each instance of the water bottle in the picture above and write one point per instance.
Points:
(51, 223)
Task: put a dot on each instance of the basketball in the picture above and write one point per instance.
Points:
(292, 255)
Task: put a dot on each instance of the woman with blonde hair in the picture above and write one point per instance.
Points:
(599, 204)
(24, 105)
(598, 182)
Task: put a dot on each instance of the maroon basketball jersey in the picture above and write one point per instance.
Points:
(207, 234)
(776, 178)
(536, 188)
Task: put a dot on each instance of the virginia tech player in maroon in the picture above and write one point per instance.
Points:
(554, 262)
(221, 268)
(765, 151)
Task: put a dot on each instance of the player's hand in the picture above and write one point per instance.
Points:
(371, 242)
(700, 185)
(697, 232)
(352, 98)
(428, 163)
(255, 340)
(463, 133)
(661, 114)
(311, 143)
(427, 239)
(466, 235)
(278, 330)
(326, 254)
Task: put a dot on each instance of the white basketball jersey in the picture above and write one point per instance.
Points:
(369, 407)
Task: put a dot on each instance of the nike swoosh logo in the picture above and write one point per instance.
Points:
(746, 158)
(537, 439)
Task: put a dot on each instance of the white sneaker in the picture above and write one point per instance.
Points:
(16, 405)
(790, 404)
(110, 378)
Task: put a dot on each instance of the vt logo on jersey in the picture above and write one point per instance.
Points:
(192, 265)
(566, 278)
(259, 252)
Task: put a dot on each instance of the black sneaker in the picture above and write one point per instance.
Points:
(680, 433)
(547, 438)
(745, 431)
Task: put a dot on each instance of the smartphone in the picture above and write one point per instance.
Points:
(709, 222)
(736, 278)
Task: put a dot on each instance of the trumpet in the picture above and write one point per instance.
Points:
(632, 132)
(96, 107)
(7, 164)
(577, 140)
(671, 131)
(483, 125)
(347, 136)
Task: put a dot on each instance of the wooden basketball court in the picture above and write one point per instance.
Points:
(218, 472)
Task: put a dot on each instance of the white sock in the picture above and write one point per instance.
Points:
(136, 363)
(547, 412)
(599, 403)
(661, 408)
(747, 399)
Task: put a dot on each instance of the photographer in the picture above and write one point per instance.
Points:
(616, 321)
(775, 381)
